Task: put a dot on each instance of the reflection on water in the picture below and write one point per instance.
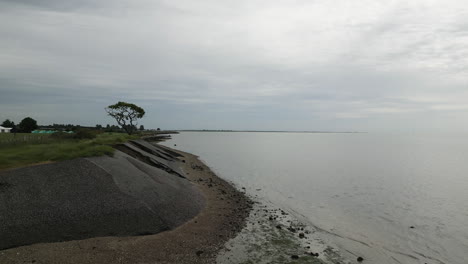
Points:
(390, 198)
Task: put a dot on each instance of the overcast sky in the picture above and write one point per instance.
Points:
(362, 65)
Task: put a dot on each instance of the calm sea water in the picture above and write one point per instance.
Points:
(388, 198)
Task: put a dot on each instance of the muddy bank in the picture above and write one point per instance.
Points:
(274, 236)
(180, 188)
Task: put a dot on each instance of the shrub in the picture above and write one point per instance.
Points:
(85, 134)
(61, 135)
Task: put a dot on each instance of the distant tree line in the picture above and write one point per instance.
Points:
(25, 126)
(114, 128)
(71, 127)
(126, 115)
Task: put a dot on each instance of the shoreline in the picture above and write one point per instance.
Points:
(197, 241)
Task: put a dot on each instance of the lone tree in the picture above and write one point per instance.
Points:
(126, 115)
(27, 125)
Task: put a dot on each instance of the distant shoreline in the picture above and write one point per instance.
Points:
(274, 131)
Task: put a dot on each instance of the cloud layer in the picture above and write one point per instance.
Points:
(297, 65)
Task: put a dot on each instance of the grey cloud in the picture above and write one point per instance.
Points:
(229, 60)
(56, 5)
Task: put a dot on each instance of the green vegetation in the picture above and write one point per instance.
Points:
(27, 125)
(8, 123)
(46, 148)
(126, 115)
(7, 139)
(59, 142)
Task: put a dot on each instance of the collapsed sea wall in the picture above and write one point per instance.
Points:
(140, 190)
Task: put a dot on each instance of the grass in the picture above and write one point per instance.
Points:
(32, 152)
(23, 138)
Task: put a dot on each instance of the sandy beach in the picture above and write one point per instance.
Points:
(197, 241)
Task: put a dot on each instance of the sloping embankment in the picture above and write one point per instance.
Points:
(141, 190)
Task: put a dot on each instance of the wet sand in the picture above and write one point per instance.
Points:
(197, 241)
